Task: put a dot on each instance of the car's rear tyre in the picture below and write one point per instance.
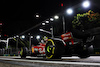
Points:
(23, 52)
(54, 49)
(84, 56)
(83, 53)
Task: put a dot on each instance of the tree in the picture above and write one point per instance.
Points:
(86, 20)
(89, 22)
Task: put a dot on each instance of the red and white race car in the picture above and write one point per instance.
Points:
(55, 48)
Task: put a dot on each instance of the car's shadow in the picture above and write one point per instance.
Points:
(43, 59)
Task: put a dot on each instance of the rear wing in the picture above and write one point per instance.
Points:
(67, 37)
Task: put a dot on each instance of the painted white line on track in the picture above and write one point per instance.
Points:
(52, 62)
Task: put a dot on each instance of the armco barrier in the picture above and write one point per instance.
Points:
(9, 52)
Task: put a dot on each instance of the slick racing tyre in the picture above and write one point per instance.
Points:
(23, 52)
(54, 49)
(84, 53)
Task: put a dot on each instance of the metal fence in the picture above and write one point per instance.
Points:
(9, 52)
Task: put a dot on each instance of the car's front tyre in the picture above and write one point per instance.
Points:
(54, 49)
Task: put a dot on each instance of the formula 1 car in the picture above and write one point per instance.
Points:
(55, 48)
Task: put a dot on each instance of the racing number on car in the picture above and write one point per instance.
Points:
(41, 50)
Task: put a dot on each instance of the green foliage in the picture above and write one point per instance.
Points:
(86, 20)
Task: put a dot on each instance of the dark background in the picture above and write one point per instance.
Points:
(19, 15)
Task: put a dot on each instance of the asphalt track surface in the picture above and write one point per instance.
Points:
(93, 61)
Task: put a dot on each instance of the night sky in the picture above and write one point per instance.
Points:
(19, 15)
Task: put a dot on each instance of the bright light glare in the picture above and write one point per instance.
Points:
(23, 36)
(17, 36)
(47, 21)
(14, 36)
(51, 29)
(43, 23)
(31, 36)
(41, 29)
(37, 16)
(51, 19)
(37, 37)
(86, 4)
(69, 11)
(56, 17)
